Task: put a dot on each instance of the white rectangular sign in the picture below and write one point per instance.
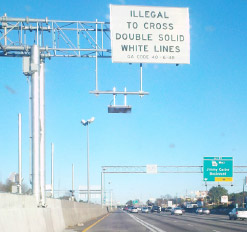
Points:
(145, 34)
(169, 203)
(224, 199)
(151, 169)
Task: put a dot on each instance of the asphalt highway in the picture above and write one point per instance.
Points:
(120, 221)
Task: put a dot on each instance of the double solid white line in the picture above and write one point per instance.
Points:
(152, 228)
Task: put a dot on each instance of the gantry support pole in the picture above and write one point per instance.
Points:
(42, 132)
(35, 69)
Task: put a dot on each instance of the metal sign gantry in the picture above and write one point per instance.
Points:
(35, 40)
(160, 169)
(56, 38)
(38, 39)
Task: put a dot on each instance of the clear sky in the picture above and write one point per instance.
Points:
(193, 110)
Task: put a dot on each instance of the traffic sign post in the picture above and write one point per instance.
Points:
(218, 169)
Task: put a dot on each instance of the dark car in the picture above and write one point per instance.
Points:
(155, 208)
(168, 209)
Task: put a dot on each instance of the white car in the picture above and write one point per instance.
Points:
(199, 210)
(144, 209)
(238, 213)
(177, 211)
(205, 211)
(134, 210)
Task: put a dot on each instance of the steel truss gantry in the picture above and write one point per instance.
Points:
(164, 169)
(55, 38)
(60, 38)
(35, 40)
(160, 169)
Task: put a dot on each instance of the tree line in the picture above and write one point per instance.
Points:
(213, 198)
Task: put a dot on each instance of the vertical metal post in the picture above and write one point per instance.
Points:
(78, 39)
(104, 194)
(114, 96)
(88, 184)
(5, 32)
(243, 195)
(35, 66)
(21, 32)
(111, 199)
(42, 132)
(52, 170)
(72, 181)
(102, 38)
(96, 57)
(19, 152)
(37, 36)
(30, 131)
(102, 176)
(141, 77)
(125, 97)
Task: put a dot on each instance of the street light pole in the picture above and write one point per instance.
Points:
(88, 180)
(86, 123)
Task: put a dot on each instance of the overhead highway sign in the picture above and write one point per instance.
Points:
(218, 169)
(145, 34)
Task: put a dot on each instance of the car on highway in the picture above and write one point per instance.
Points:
(205, 211)
(134, 210)
(177, 211)
(238, 213)
(199, 210)
(168, 209)
(144, 209)
(156, 208)
(163, 209)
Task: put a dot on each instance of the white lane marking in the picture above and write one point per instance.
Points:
(216, 231)
(190, 225)
(152, 228)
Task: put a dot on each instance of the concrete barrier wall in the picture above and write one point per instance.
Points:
(20, 213)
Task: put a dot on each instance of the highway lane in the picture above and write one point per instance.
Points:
(117, 221)
(193, 222)
(120, 221)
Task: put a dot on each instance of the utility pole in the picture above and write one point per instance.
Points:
(52, 170)
(102, 190)
(243, 193)
(20, 154)
(72, 191)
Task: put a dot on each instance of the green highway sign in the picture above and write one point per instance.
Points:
(135, 202)
(218, 169)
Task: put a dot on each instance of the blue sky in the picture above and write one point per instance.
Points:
(192, 111)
